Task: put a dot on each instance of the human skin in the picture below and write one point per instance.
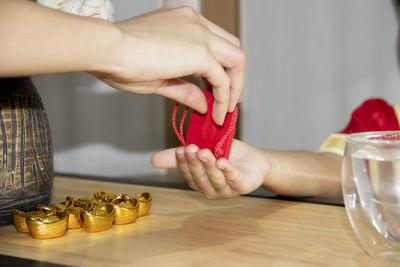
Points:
(147, 54)
(300, 174)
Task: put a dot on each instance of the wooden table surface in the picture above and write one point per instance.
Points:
(185, 229)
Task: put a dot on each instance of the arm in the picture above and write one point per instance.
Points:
(299, 174)
(143, 55)
(304, 174)
(40, 40)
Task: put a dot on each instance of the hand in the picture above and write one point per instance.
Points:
(245, 171)
(161, 46)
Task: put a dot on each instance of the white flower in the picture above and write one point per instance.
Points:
(90, 8)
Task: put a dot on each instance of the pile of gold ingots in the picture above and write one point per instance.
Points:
(92, 214)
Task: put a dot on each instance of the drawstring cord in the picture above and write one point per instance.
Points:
(180, 133)
(218, 152)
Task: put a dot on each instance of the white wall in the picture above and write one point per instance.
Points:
(310, 63)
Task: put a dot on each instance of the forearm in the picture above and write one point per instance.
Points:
(39, 40)
(304, 174)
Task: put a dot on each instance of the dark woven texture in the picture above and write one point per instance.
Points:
(26, 154)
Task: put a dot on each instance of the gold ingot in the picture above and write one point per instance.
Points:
(97, 204)
(126, 210)
(74, 219)
(99, 194)
(19, 219)
(96, 220)
(145, 199)
(69, 202)
(47, 226)
(104, 197)
(122, 197)
(71, 199)
(81, 202)
(53, 209)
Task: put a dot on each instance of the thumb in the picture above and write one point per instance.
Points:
(184, 92)
(164, 159)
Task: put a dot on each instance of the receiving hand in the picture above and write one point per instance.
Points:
(244, 172)
(159, 47)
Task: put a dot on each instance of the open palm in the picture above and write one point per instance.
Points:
(244, 172)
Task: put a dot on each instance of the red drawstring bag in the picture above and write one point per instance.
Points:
(204, 132)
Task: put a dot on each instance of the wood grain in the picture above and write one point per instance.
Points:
(184, 229)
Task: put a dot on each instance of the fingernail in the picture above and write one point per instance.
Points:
(204, 160)
(222, 122)
(179, 151)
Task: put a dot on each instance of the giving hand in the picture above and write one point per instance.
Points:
(162, 46)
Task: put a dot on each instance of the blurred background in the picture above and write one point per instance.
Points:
(309, 64)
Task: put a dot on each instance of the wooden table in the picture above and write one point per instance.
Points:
(185, 229)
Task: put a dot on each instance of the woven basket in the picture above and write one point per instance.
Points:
(26, 154)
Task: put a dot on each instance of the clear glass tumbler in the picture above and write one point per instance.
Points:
(371, 191)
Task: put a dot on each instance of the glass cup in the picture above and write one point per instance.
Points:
(371, 191)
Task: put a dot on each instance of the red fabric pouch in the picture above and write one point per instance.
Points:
(204, 132)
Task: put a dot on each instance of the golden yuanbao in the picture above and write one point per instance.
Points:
(144, 203)
(47, 226)
(92, 214)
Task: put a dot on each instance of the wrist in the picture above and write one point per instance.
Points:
(106, 43)
(272, 169)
